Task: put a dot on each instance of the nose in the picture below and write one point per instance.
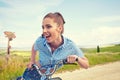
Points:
(44, 30)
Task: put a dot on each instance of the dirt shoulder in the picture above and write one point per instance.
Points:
(110, 71)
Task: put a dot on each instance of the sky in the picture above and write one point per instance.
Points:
(88, 22)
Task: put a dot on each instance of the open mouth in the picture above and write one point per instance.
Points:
(47, 36)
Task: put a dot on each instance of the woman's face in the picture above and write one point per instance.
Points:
(51, 30)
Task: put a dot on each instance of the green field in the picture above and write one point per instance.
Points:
(19, 59)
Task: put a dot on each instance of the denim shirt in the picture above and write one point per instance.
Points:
(47, 58)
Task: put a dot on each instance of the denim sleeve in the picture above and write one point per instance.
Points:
(37, 44)
(78, 51)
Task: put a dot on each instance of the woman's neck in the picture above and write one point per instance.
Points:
(56, 43)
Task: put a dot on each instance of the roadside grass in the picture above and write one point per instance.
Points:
(18, 60)
(113, 49)
(101, 58)
(15, 66)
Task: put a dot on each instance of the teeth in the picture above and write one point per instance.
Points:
(47, 36)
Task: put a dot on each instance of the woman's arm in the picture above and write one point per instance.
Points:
(82, 61)
(32, 59)
(33, 55)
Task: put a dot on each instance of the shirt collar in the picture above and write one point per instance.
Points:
(62, 46)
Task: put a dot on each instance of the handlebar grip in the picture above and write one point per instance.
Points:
(32, 65)
(76, 59)
(35, 66)
(66, 62)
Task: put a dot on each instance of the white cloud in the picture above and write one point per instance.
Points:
(96, 36)
(25, 12)
(93, 36)
(107, 19)
(1, 27)
(21, 17)
(20, 10)
(25, 16)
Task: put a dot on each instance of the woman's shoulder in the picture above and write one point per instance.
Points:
(40, 39)
(68, 42)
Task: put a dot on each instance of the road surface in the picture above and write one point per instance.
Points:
(110, 71)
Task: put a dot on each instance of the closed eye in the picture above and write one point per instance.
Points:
(48, 26)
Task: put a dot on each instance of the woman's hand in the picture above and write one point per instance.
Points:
(29, 65)
(72, 58)
(82, 61)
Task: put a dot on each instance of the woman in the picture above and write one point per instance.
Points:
(53, 46)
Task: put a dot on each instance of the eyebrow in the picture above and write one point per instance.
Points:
(46, 25)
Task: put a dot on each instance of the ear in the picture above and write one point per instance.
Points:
(60, 29)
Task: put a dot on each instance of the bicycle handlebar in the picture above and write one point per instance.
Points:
(64, 61)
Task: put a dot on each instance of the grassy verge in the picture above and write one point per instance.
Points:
(102, 58)
(17, 63)
(15, 66)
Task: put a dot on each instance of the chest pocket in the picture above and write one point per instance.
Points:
(63, 53)
(44, 56)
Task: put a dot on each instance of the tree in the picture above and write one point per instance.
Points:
(98, 49)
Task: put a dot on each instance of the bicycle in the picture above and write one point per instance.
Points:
(48, 75)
